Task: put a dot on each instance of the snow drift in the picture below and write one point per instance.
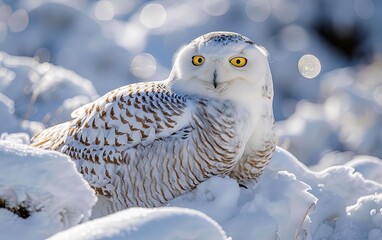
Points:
(289, 202)
(141, 223)
(41, 192)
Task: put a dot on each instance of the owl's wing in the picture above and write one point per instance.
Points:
(134, 114)
(128, 116)
(122, 119)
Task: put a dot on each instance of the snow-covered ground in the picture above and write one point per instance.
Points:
(289, 202)
(41, 192)
(143, 223)
(56, 55)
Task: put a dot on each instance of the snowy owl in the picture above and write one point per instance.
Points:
(144, 144)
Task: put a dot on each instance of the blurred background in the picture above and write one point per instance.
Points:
(325, 56)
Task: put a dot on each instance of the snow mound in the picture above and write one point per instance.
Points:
(256, 213)
(348, 118)
(296, 133)
(362, 221)
(353, 105)
(337, 189)
(40, 92)
(68, 37)
(259, 212)
(41, 192)
(141, 223)
(21, 138)
(290, 201)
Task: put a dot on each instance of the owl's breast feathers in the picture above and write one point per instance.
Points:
(142, 144)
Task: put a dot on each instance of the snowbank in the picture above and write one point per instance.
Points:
(348, 118)
(307, 133)
(290, 201)
(353, 105)
(68, 37)
(41, 192)
(362, 221)
(39, 92)
(141, 223)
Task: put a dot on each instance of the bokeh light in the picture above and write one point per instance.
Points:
(5, 12)
(132, 37)
(285, 11)
(44, 67)
(18, 21)
(216, 7)
(258, 10)
(43, 55)
(309, 66)
(143, 65)
(123, 7)
(153, 15)
(3, 31)
(294, 37)
(104, 10)
(364, 8)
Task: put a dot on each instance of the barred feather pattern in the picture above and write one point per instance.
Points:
(143, 145)
(262, 143)
(251, 165)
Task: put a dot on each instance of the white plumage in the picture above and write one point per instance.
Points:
(146, 143)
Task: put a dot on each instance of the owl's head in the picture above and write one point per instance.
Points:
(223, 65)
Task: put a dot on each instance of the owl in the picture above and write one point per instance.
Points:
(146, 143)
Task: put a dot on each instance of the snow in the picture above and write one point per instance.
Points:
(370, 167)
(140, 224)
(59, 55)
(48, 185)
(308, 120)
(276, 197)
(290, 201)
(336, 189)
(347, 118)
(40, 91)
(362, 221)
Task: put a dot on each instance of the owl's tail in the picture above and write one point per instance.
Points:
(52, 138)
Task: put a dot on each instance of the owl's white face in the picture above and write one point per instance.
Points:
(222, 65)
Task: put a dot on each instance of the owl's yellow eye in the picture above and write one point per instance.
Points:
(238, 61)
(197, 60)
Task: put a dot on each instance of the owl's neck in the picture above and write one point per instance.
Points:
(241, 93)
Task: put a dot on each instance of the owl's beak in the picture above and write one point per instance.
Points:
(215, 79)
